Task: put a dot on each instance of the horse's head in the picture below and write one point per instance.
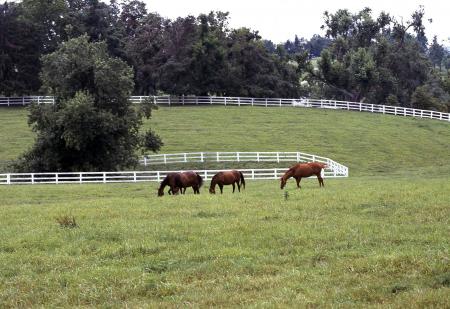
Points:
(160, 191)
(283, 183)
(212, 190)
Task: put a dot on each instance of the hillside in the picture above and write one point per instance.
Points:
(370, 144)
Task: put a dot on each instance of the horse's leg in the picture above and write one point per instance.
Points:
(233, 187)
(221, 189)
(320, 180)
(239, 186)
(298, 179)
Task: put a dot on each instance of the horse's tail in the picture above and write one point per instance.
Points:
(242, 180)
(200, 180)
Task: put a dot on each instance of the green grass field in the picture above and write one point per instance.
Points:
(379, 238)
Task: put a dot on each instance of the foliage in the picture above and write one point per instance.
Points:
(376, 60)
(19, 55)
(92, 126)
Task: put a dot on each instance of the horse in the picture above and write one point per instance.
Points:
(188, 179)
(303, 170)
(227, 178)
(169, 180)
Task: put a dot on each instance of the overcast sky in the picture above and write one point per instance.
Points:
(281, 20)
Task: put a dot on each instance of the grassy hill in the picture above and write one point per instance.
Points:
(378, 238)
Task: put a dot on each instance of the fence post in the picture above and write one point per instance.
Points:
(278, 157)
(205, 174)
(314, 158)
(185, 159)
(134, 177)
(8, 100)
(23, 101)
(384, 109)
(8, 179)
(165, 158)
(104, 177)
(145, 160)
(253, 100)
(275, 173)
(253, 174)
(298, 156)
(182, 99)
(32, 178)
(280, 102)
(169, 100)
(210, 100)
(196, 100)
(225, 101)
(81, 179)
(157, 176)
(348, 106)
(217, 155)
(239, 101)
(360, 106)
(266, 102)
(257, 157)
(395, 110)
(201, 157)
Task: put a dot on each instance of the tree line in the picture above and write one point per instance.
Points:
(375, 59)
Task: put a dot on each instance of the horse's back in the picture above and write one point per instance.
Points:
(307, 169)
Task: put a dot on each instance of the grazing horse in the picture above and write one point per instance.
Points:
(227, 178)
(188, 179)
(169, 180)
(303, 170)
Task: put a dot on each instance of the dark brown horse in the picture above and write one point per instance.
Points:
(169, 180)
(227, 178)
(188, 179)
(301, 170)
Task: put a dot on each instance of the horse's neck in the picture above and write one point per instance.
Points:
(213, 183)
(288, 174)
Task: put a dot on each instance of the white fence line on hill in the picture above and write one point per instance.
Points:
(267, 102)
(134, 176)
(187, 157)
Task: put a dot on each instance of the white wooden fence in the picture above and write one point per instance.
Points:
(334, 168)
(302, 102)
(14, 101)
(267, 102)
(135, 176)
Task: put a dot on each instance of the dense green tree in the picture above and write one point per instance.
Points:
(376, 60)
(436, 53)
(92, 126)
(19, 52)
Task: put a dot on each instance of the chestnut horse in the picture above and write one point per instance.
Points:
(188, 179)
(169, 180)
(227, 178)
(301, 170)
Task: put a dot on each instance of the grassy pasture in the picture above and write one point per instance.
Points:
(378, 238)
(358, 242)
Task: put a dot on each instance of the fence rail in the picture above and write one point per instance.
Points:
(187, 157)
(14, 101)
(301, 102)
(267, 102)
(134, 176)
